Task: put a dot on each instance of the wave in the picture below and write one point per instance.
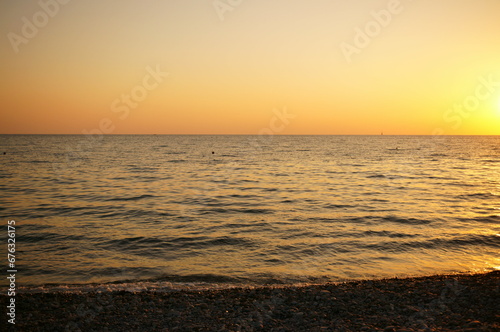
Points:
(132, 198)
(128, 213)
(491, 219)
(177, 282)
(41, 237)
(339, 206)
(99, 212)
(479, 195)
(455, 243)
(389, 234)
(45, 212)
(38, 162)
(348, 220)
(143, 169)
(221, 210)
(173, 152)
(177, 161)
(140, 243)
(407, 221)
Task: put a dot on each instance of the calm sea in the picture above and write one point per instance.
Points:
(249, 209)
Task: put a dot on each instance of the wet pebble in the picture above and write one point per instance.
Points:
(399, 305)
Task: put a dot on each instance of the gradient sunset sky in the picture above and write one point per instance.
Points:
(340, 67)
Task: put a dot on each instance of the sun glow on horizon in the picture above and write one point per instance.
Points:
(340, 67)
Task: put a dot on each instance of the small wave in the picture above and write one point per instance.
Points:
(274, 261)
(120, 178)
(226, 241)
(147, 178)
(380, 200)
(456, 243)
(215, 211)
(350, 220)
(133, 198)
(163, 283)
(376, 176)
(256, 211)
(435, 177)
(32, 227)
(38, 162)
(257, 225)
(461, 184)
(120, 213)
(407, 221)
(338, 206)
(42, 212)
(201, 278)
(389, 234)
(248, 181)
(140, 243)
(142, 169)
(236, 210)
(491, 219)
(137, 242)
(241, 196)
(479, 195)
(288, 201)
(41, 237)
(177, 161)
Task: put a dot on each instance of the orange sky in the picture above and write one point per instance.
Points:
(401, 67)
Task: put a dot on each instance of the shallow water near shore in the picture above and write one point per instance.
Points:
(258, 210)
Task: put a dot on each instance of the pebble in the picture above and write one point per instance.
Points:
(361, 306)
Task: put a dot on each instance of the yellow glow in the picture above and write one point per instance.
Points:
(227, 76)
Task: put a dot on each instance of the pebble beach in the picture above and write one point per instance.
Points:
(462, 302)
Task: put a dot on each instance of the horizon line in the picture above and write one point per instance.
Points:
(90, 135)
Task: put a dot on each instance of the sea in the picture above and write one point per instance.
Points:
(181, 211)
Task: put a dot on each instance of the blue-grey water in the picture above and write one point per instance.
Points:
(258, 209)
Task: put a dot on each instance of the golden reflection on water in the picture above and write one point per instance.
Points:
(150, 207)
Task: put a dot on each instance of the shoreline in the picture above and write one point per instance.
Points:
(458, 302)
(197, 283)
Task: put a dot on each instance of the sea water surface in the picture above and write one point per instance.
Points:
(249, 209)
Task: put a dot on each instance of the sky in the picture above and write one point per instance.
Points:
(402, 67)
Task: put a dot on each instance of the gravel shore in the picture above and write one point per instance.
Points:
(436, 303)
